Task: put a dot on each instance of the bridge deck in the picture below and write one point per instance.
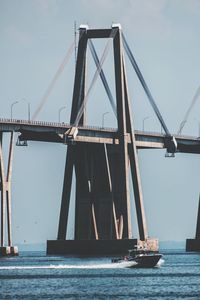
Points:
(54, 132)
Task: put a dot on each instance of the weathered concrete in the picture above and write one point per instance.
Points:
(9, 251)
(14, 251)
(5, 251)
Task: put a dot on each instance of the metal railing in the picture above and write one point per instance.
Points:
(52, 124)
(95, 128)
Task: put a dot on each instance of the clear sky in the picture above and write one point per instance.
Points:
(164, 36)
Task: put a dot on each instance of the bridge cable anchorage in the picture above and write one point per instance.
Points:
(194, 100)
(97, 72)
(55, 78)
(103, 77)
(170, 140)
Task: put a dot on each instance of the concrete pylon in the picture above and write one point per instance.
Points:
(194, 244)
(103, 214)
(5, 189)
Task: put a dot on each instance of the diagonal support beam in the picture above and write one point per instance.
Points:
(114, 219)
(122, 131)
(135, 173)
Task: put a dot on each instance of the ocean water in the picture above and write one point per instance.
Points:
(33, 275)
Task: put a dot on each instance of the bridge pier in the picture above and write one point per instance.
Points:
(5, 189)
(194, 244)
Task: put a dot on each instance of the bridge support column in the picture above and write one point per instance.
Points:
(5, 189)
(194, 244)
(103, 216)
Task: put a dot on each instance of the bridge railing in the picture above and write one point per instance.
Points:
(63, 125)
(52, 124)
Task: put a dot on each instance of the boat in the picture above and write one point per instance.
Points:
(138, 259)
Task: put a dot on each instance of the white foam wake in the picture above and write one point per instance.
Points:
(160, 262)
(89, 266)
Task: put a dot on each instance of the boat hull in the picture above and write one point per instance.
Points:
(140, 261)
(147, 261)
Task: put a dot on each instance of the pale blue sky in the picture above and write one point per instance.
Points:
(165, 38)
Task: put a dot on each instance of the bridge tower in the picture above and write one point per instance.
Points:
(5, 191)
(103, 222)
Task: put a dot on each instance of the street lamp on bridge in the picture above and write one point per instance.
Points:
(11, 109)
(144, 122)
(29, 109)
(103, 118)
(59, 112)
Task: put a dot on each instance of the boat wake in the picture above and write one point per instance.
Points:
(160, 263)
(68, 266)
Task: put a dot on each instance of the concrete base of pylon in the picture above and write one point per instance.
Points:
(193, 245)
(98, 247)
(9, 251)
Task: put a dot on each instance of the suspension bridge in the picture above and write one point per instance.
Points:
(102, 159)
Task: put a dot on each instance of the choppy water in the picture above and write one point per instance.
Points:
(36, 276)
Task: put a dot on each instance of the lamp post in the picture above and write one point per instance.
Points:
(161, 129)
(29, 109)
(195, 119)
(59, 112)
(103, 118)
(143, 122)
(11, 109)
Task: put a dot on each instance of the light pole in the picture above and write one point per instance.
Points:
(59, 112)
(143, 122)
(103, 118)
(29, 109)
(11, 109)
(198, 127)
